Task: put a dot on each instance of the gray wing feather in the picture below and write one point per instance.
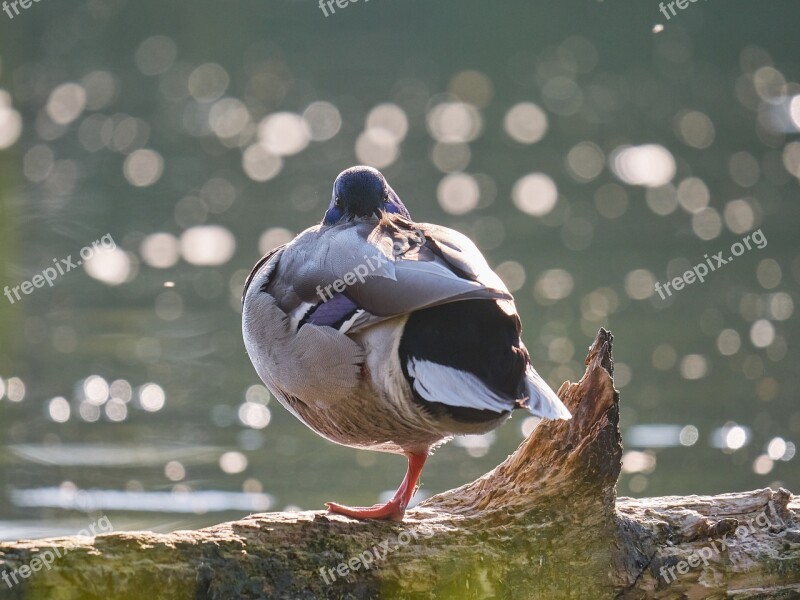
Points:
(276, 349)
(389, 268)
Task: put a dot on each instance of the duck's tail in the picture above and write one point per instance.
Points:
(542, 400)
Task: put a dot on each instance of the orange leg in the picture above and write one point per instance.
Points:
(396, 507)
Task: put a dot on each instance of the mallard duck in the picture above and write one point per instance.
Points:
(385, 334)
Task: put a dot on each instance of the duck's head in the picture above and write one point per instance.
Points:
(362, 192)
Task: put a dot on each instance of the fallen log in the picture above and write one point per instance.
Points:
(546, 523)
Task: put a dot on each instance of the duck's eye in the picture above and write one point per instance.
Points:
(338, 202)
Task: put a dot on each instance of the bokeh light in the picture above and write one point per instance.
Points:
(535, 194)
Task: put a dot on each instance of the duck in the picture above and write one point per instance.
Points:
(381, 333)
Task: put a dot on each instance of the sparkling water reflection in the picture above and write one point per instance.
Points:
(586, 168)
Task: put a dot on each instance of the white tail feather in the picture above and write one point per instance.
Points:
(542, 400)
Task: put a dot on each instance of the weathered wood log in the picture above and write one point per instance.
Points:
(545, 523)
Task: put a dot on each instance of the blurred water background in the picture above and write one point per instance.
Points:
(589, 149)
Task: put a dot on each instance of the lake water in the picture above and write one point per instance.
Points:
(588, 153)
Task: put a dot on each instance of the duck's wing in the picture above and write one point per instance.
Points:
(277, 349)
(354, 275)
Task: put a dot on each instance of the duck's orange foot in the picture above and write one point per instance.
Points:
(391, 511)
(396, 507)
